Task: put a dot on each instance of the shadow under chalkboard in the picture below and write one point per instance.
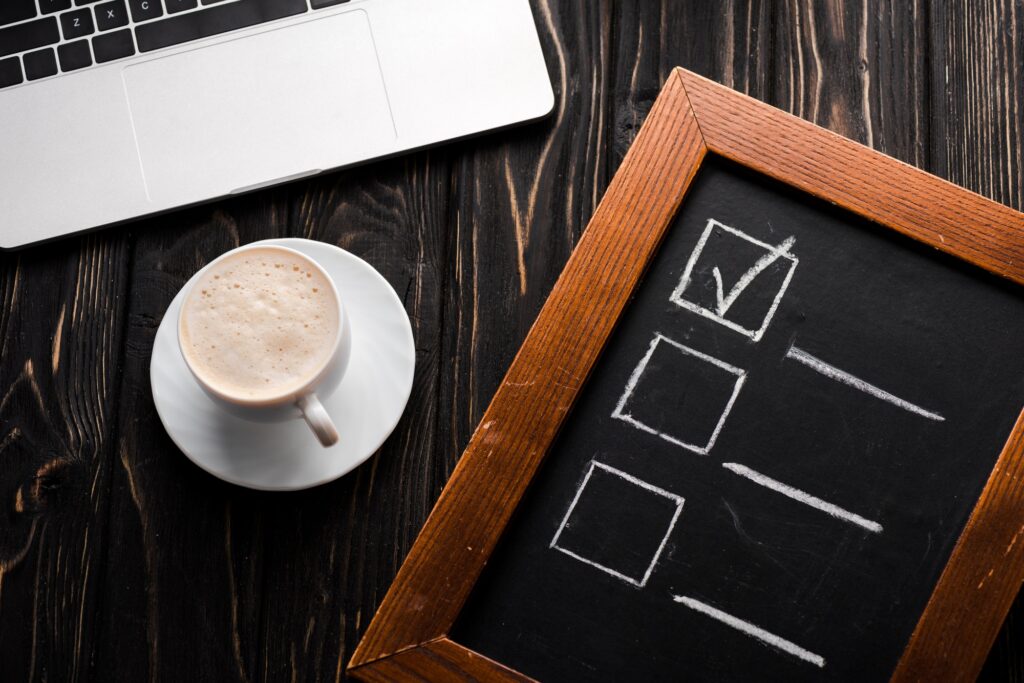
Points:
(772, 460)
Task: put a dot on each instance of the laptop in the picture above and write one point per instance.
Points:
(115, 109)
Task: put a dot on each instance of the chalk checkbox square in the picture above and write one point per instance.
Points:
(680, 395)
(735, 279)
(618, 524)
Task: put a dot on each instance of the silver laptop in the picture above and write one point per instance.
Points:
(114, 109)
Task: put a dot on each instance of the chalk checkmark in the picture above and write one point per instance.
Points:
(725, 301)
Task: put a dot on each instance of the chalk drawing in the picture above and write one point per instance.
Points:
(803, 497)
(724, 300)
(757, 632)
(846, 378)
(621, 412)
(642, 581)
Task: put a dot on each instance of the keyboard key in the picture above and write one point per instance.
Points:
(179, 5)
(111, 15)
(85, 2)
(74, 55)
(10, 72)
(76, 24)
(51, 6)
(28, 36)
(40, 64)
(145, 9)
(16, 10)
(212, 21)
(110, 46)
(320, 4)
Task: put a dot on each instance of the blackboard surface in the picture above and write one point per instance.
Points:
(772, 461)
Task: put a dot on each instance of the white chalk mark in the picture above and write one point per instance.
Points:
(846, 378)
(620, 412)
(803, 497)
(725, 301)
(757, 632)
(642, 581)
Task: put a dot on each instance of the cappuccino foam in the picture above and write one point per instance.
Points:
(259, 323)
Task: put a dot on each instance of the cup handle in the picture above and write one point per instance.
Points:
(318, 420)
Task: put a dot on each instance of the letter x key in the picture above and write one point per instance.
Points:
(111, 15)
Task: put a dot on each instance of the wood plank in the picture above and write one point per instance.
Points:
(734, 49)
(729, 42)
(60, 338)
(858, 69)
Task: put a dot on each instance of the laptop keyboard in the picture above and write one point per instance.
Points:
(41, 38)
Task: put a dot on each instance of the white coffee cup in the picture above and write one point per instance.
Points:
(301, 398)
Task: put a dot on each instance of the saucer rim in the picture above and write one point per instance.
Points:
(352, 463)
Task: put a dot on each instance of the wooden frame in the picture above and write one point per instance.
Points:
(691, 118)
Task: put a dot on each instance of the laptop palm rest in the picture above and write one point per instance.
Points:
(218, 119)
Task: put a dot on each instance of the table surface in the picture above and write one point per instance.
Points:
(120, 560)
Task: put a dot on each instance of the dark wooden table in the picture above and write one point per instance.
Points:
(120, 560)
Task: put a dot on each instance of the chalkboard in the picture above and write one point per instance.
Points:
(771, 462)
(767, 426)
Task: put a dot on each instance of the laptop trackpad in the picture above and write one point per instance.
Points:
(246, 112)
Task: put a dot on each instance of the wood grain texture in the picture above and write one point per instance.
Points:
(60, 340)
(440, 660)
(979, 230)
(541, 385)
(858, 69)
(92, 588)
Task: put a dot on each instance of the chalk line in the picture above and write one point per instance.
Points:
(802, 496)
(620, 412)
(678, 500)
(846, 378)
(724, 302)
(757, 632)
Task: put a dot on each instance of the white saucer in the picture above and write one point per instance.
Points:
(285, 456)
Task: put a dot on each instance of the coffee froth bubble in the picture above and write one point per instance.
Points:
(259, 324)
